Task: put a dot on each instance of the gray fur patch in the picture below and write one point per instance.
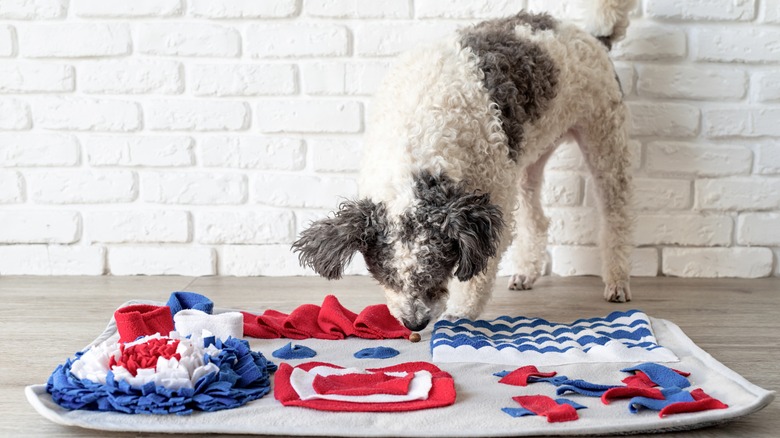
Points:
(453, 227)
(520, 77)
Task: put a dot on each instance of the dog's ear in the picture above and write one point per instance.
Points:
(328, 245)
(475, 225)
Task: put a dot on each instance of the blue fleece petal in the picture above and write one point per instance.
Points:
(290, 351)
(377, 353)
(517, 412)
(189, 300)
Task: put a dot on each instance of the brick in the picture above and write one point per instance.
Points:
(155, 260)
(33, 149)
(14, 115)
(11, 187)
(767, 86)
(296, 40)
(196, 115)
(82, 187)
(343, 78)
(771, 12)
(74, 40)
(683, 229)
(312, 116)
(242, 79)
(385, 39)
(195, 188)
(131, 77)
(717, 262)
(137, 150)
(568, 10)
(753, 44)
(130, 9)
(244, 8)
(768, 162)
(583, 260)
(659, 194)
(626, 76)
(245, 227)
(738, 193)
(7, 47)
(35, 77)
(260, 260)
(707, 10)
(682, 82)
(32, 9)
(52, 260)
(650, 42)
(136, 226)
(86, 114)
(305, 191)
(758, 229)
(567, 157)
(562, 189)
(39, 226)
(252, 152)
(189, 39)
(664, 119)
(698, 159)
(335, 154)
(357, 8)
(573, 226)
(741, 122)
(467, 8)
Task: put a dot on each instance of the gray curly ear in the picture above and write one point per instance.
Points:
(475, 225)
(328, 245)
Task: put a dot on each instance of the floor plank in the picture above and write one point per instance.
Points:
(737, 321)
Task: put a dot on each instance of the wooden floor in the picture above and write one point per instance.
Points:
(45, 320)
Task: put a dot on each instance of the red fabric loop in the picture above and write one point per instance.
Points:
(519, 377)
(139, 320)
(702, 402)
(362, 384)
(630, 391)
(547, 407)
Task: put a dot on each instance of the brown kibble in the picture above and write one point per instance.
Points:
(415, 337)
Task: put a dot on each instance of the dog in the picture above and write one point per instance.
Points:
(454, 153)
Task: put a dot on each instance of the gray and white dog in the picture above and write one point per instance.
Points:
(454, 153)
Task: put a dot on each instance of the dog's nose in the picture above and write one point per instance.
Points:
(416, 327)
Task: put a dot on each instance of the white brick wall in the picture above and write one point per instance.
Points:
(199, 137)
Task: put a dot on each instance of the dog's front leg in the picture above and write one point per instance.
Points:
(468, 298)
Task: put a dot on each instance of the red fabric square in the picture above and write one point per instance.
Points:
(442, 393)
(519, 377)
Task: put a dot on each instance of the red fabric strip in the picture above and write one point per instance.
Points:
(630, 391)
(547, 407)
(519, 377)
(702, 402)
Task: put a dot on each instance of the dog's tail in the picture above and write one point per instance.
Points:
(607, 20)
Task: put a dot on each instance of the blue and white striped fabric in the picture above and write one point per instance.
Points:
(618, 337)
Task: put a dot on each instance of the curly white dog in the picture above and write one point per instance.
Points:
(460, 134)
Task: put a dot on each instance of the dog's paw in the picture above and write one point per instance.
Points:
(449, 317)
(521, 282)
(618, 292)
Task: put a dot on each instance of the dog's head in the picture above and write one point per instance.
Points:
(446, 232)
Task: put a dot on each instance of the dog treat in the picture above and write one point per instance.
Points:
(415, 337)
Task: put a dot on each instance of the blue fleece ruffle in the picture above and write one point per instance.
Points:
(296, 351)
(189, 300)
(377, 353)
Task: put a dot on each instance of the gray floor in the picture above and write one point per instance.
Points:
(46, 319)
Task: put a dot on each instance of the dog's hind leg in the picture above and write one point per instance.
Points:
(529, 251)
(604, 143)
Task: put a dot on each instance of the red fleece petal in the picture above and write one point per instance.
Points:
(519, 377)
(640, 380)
